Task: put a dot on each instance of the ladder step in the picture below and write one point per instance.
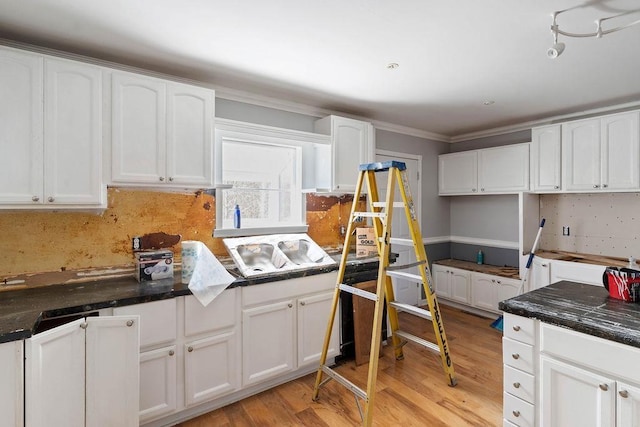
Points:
(420, 341)
(369, 214)
(412, 309)
(405, 266)
(403, 275)
(382, 166)
(384, 205)
(401, 242)
(345, 382)
(359, 292)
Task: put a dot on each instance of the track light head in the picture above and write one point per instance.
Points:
(556, 50)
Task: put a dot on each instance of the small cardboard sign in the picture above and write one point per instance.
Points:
(366, 243)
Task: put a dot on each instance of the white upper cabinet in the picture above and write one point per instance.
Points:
(546, 162)
(50, 132)
(490, 170)
(352, 144)
(162, 133)
(602, 153)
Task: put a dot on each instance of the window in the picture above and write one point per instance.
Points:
(264, 171)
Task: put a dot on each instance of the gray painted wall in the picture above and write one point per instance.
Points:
(492, 141)
(485, 217)
(249, 113)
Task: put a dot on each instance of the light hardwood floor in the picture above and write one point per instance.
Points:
(410, 392)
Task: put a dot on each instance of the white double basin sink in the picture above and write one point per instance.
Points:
(257, 256)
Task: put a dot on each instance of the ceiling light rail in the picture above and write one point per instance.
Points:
(557, 48)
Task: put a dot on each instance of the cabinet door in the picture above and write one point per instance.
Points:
(138, 130)
(352, 146)
(21, 122)
(581, 155)
(72, 133)
(211, 367)
(221, 313)
(313, 315)
(621, 151)
(112, 361)
(158, 384)
(459, 285)
(545, 158)
(540, 274)
(505, 289)
(158, 321)
(483, 291)
(267, 341)
(55, 377)
(575, 397)
(628, 405)
(503, 169)
(189, 135)
(442, 282)
(458, 173)
(12, 385)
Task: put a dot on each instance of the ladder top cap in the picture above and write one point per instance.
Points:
(382, 166)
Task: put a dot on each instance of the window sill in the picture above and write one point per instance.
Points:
(258, 231)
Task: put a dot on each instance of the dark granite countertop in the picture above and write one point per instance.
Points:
(22, 311)
(583, 308)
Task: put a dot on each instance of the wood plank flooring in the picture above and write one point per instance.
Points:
(410, 392)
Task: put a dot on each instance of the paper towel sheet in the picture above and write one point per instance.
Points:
(206, 276)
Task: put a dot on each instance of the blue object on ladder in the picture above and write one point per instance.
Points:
(382, 166)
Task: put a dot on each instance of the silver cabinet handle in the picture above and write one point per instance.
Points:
(189, 349)
(516, 385)
(302, 303)
(516, 328)
(605, 185)
(451, 272)
(544, 265)
(171, 178)
(129, 323)
(473, 190)
(162, 178)
(493, 280)
(84, 325)
(516, 413)
(556, 187)
(35, 198)
(50, 199)
(482, 189)
(289, 305)
(171, 352)
(515, 356)
(596, 186)
(604, 387)
(499, 282)
(623, 393)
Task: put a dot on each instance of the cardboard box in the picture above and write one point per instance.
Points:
(366, 243)
(154, 265)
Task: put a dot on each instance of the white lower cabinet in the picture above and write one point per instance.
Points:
(158, 373)
(488, 290)
(84, 373)
(12, 386)
(452, 283)
(313, 315)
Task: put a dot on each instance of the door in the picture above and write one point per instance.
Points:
(406, 291)
(267, 341)
(12, 384)
(189, 135)
(158, 383)
(574, 397)
(112, 376)
(21, 121)
(312, 312)
(72, 133)
(55, 377)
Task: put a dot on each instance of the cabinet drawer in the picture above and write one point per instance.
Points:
(519, 384)
(518, 411)
(518, 355)
(157, 320)
(221, 313)
(520, 328)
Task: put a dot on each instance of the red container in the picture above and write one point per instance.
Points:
(625, 287)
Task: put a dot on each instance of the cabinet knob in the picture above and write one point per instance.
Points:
(83, 325)
(516, 385)
(544, 265)
(556, 187)
(289, 305)
(515, 356)
(35, 198)
(473, 190)
(605, 185)
(516, 328)
(50, 199)
(623, 393)
(451, 272)
(171, 352)
(516, 413)
(302, 303)
(482, 189)
(493, 280)
(129, 323)
(596, 186)
(162, 178)
(171, 178)
(604, 387)
(189, 349)
(498, 281)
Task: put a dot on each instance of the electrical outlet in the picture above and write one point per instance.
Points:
(136, 244)
(565, 231)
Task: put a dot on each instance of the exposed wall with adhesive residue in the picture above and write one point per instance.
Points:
(34, 242)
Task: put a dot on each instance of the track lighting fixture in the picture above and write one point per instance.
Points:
(557, 48)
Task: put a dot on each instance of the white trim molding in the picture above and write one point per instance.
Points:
(484, 242)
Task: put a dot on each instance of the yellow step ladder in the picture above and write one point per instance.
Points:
(381, 215)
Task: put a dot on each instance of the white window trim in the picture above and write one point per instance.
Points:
(231, 129)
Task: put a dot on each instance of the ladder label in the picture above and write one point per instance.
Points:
(445, 346)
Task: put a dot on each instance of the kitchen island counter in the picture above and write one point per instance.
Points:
(582, 308)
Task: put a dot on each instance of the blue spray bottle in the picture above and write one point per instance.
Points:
(236, 217)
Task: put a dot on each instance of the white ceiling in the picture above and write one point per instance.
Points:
(333, 54)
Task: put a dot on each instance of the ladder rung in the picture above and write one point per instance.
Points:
(404, 266)
(420, 341)
(359, 292)
(370, 214)
(384, 204)
(403, 275)
(412, 309)
(345, 382)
